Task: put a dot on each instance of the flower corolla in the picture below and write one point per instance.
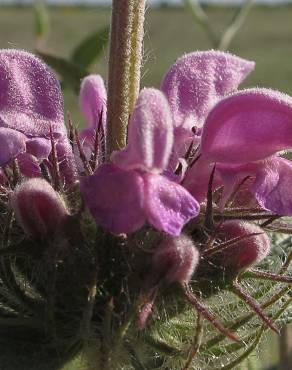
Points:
(243, 132)
(133, 189)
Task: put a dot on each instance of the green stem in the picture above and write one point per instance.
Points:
(235, 25)
(124, 68)
(196, 344)
(202, 19)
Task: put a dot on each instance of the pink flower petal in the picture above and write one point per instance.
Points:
(234, 179)
(272, 187)
(247, 127)
(30, 95)
(39, 147)
(168, 205)
(66, 159)
(196, 82)
(28, 165)
(12, 143)
(150, 135)
(92, 99)
(197, 179)
(115, 198)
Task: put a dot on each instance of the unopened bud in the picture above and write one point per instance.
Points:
(251, 245)
(38, 208)
(176, 259)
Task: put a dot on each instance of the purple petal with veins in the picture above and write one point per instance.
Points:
(115, 198)
(30, 96)
(168, 205)
(197, 81)
(247, 127)
(272, 186)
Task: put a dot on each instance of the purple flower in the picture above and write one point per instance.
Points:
(122, 196)
(242, 132)
(255, 126)
(193, 85)
(92, 101)
(31, 108)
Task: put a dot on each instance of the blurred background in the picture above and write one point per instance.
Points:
(72, 36)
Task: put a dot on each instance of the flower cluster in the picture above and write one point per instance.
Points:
(156, 180)
(198, 112)
(202, 159)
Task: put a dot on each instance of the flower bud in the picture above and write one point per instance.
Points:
(38, 208)
(248, 250)
(176, 258)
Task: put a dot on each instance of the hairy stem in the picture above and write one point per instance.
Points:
(124, 68)
(202, 310)
(239, 291)
(246, 318)
(136, 51)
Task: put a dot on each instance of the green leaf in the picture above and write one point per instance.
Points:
(91, 48)
(70, 73)
(42, 19)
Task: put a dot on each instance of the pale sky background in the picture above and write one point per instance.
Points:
(150, 2)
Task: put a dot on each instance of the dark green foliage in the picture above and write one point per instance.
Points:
(70, 73)
(72, 303)
(91, 48)
(42, 20)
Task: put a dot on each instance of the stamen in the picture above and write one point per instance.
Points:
(195, 159)
(189, 151)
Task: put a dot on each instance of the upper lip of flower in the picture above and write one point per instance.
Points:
(243, 130)
(32, 106)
